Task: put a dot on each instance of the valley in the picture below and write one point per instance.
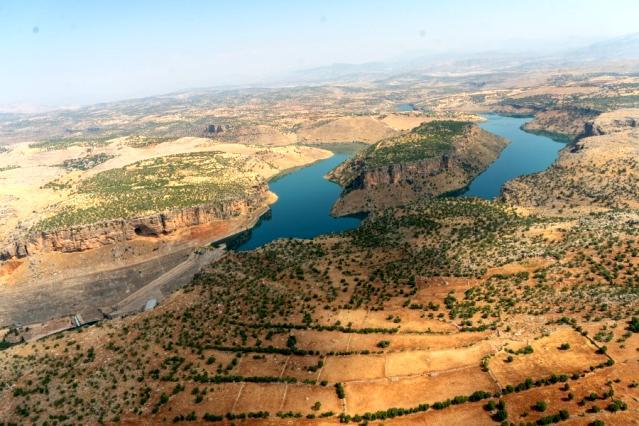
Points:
(493, 278)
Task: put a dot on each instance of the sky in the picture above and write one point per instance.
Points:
(64, 53)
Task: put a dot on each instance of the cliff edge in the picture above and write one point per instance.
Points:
(432, 159)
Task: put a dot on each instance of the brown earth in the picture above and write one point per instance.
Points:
(596, 172)
(349, 129)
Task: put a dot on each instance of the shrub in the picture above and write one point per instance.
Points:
(617, 405)
(500, 416)
(339, 389)
(479, 395)
(540, 406)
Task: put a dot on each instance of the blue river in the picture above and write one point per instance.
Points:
(525, 154)
(305, 197)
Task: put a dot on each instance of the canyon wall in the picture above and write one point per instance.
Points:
(85, 237)
(374, 188)
(563, 125)
(394, 174)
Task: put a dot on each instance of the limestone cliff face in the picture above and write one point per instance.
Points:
(561, 124)
(368, 188)
(598, 171)
(85, 237)
(619, 121)
(394, 174)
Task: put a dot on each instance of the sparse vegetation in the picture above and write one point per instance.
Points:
(155, 185)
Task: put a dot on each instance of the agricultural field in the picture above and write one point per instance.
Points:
(328, 330)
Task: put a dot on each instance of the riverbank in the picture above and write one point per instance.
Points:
(303, 208)
(526, 153)
(54, 284)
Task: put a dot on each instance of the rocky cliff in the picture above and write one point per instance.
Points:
(392, 174)
(370, 184)
(85, 237)
(620, 121)
(598, 171)
(562, 125)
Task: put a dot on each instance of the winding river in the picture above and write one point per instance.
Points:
(303, 207)
(525, 154)
(305, 197)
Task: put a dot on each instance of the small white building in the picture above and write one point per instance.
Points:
(150, 304)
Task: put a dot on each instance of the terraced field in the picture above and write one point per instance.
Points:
(440, 310)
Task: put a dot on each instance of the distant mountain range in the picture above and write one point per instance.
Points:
(624, 48)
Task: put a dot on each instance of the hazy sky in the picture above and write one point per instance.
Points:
(61, 52)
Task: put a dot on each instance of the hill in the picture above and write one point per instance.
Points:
(433, 158)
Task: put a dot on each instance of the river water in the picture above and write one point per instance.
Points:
(305, 197)
(303, 207)
(526, 153)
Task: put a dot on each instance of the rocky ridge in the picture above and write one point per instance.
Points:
(560, 124)
(369, 187)
(85, 237)
(598, 171)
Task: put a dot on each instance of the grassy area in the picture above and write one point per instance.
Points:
(610, 103)
(140, 141)
(154, 185)
(534, 102)
(426, 141)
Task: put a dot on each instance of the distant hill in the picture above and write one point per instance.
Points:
(624, 48)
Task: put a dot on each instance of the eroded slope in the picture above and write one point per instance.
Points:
(434, 158)
(597, 172)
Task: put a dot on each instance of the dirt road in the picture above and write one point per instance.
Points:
(168, 282)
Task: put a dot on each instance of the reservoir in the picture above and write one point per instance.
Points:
(525, 154)
(305, 197)
(303, 207)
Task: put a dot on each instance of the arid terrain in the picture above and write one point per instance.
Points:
(435, 310)
(98, 223)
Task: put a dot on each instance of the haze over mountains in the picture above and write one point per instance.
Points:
(459, 62)
(436, 63)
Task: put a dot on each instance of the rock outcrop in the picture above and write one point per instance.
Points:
(619, 121)
(369, 186)
(395, 174)
(599, 171)
(562, 125)
(85, 237)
